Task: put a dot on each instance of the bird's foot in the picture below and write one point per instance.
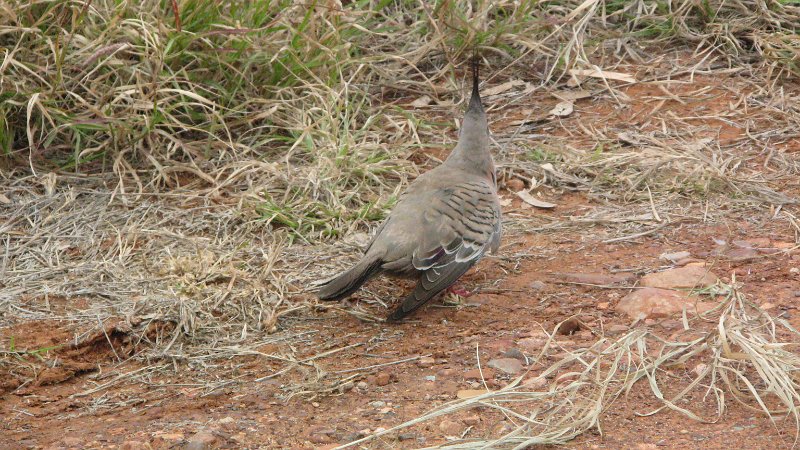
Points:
(459, 291)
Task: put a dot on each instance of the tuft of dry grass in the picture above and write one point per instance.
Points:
(747, 357)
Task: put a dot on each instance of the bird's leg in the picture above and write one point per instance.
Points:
(459, 290)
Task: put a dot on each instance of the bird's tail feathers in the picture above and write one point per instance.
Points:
(350, 280)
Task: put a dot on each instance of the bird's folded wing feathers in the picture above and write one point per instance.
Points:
(459, 222)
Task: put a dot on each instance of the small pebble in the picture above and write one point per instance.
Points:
(450, 427)
(516, 354)
(426, 361)
(508, 365)
(537, 285)
(472, 420)
(475, 374)
(382, 378)
(200, 441)
(515, 185)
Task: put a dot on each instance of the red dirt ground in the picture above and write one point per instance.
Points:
(47, 411)
(74, 404)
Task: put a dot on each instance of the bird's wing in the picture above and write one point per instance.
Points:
(459, 223)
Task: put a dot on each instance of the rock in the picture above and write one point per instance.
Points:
(377, 404)
(690, 262)
(450, 427)
(362, 386)
(696, 263)
(406, 436)
(475, 374)
(471, 420)
(516, 354)
(537, 285)
(133, 445)
(382, 378)
(700, 369)
(794, 270)
(319, 438)
(675, 256)
(173, 437)
(741, 254)
(227, 420)
(508, 365)
(535, 382)
(446, 372)
(767, 306)
(797, 293)
(569, 326)
(603, 305)
(594, 278)
(469, 393)
(679, 278)
(201, 440)
(657, 303)
(73, 441)
(426, 361)
(515, 185)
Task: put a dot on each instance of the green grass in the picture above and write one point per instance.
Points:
(140, 88)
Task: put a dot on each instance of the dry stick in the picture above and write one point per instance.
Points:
(110, 383)
(392, 363)
(635, 235)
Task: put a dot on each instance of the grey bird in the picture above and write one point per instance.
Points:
(442, 225)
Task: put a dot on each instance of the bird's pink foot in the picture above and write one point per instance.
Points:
(459, 291)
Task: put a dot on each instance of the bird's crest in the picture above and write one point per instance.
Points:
(475, 101)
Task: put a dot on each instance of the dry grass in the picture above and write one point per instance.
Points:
(747, 357)
(193, 167)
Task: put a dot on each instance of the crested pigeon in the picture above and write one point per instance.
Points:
(442, 225)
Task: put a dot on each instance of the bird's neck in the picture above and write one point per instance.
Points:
(475, 159)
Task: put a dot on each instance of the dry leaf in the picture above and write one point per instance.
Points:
(547, 167)
(4, 200)
(469, 393)
(500, 88)
(619, 76)
(562, 109)
(533, 201)
(422, 101)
